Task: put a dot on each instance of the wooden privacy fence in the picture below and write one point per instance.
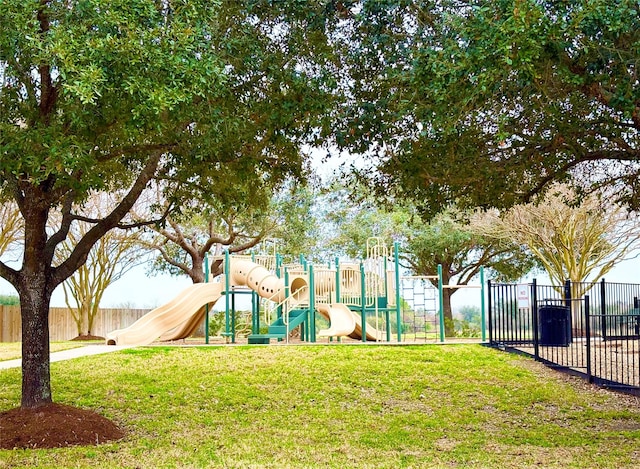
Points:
(62, 325)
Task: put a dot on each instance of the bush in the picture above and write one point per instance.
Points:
(470, 314)
(466, 329)
(216, 322)
(9, 300)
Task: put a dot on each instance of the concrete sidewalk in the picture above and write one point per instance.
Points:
(70, 354)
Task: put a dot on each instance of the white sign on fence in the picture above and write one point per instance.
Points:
(523, 295)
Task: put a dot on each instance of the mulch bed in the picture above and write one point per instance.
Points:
(86, 337)
(55, 426)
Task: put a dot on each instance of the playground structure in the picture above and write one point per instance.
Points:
(361, 301)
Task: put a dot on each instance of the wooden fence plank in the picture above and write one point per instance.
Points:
(61, 323)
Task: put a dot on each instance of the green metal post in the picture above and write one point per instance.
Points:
(255, 312)
(312, 306)
(441, 302)
(396, 259)
(482, 307)
(206, 308)
(255, 306)
(386, 297)
(363, 299)
(227, 288)
(287, 292)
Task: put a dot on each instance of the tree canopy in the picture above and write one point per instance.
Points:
(486, 103)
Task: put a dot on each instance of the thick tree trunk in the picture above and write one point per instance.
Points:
(449, 328)
(197, 268)
(36, 378)
(34, 285)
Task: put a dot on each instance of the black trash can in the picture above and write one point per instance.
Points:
(555, 325)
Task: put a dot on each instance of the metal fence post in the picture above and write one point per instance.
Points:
(603, 309)
(534, 319)
(587, 318)
(636, 306)
(567, 293)
(490, 311)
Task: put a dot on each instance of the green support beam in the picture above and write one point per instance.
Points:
(396, 258)
(227, 291)
(441, 302)
(312, 306)
(363, 299)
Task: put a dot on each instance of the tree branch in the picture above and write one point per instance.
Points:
(9, 274)
(65, 225)
(590, 157)
(79, 254)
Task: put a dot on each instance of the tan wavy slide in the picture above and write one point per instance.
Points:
(341, 321)
(344, 322)
(181, 314)
(372, 333)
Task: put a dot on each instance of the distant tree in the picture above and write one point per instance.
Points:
(233, 223)
(298, 225)
(111, 257)
(472, 315)
(451, 240)
(9, 300)
(183, 243)
(11, 228)
(575, 242)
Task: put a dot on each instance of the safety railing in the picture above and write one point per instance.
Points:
(324, 283)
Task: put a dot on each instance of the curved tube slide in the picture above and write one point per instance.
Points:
(266, 284)
(183, 314)
(341, 320)
(344, 322)
(372, 333)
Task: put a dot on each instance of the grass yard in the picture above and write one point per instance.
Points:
(336, 406)
(13, 350)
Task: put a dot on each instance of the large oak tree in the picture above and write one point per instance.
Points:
(100, 95)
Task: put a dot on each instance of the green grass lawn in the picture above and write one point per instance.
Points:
(13, 350)
(336, 406)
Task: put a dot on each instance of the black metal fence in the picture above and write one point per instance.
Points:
(589, 328)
